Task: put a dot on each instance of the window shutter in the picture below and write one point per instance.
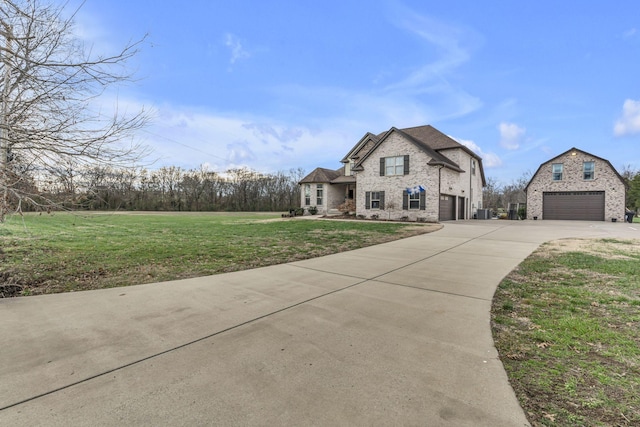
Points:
(423, 201)
(367, 203)
(382, 200)
(405, 200)
(381, 166)
(406, 164)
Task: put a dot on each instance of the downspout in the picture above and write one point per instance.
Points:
(439, 189)
(470, 193)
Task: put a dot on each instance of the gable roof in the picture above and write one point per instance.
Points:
(424, 145)
(567, 152)
(321, 175)
(354, 153)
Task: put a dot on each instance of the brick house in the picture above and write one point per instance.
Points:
(416, 174)
(576, 185)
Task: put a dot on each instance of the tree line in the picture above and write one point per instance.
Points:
(100, 187)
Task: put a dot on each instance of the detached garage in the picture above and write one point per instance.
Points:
(574, 186)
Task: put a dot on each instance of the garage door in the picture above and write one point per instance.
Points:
(574, 205)
(447, 207)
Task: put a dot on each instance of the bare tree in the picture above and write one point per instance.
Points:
(513, 193)
(492, 194)
(48, 81)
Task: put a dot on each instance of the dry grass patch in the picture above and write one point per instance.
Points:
(566, 324)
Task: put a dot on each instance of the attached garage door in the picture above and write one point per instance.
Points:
(574, 205)
(447, 207)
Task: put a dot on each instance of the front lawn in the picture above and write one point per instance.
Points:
(66, 252)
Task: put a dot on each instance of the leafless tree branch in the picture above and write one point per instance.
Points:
(49, 84)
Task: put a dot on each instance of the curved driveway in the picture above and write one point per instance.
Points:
(394, 334)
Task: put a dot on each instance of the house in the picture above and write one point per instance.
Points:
(415, 174)
(576, 185)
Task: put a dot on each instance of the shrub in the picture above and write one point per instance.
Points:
(313, 210)
(348, 206)
(522, 212)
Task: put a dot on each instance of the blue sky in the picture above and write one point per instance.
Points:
(275, 85)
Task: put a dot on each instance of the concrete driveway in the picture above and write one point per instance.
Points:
(394, 334)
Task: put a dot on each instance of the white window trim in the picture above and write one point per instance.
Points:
(554, 173)
(398, 162)
(414, 198)
(374, 200)
(592, 171)
(307, 194)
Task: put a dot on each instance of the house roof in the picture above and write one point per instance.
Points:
(342, 179)
(437, 158)
(567, 152)
(431, 141)
(437, 140)
(355, 151)
(322, 175)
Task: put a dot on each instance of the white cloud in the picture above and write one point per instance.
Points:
(185, 137)
(489, 160)
(629, 123)
(511, 135)
(629, 33)
(237, 51)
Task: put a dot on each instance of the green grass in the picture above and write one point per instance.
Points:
(566, 324)
(65, 252)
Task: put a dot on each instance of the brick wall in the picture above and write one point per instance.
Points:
(420, 173)
(605, 179)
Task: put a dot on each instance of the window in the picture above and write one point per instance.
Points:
(394, 165)
(307, 194)
(588, 170)
(374, 200)
(397, 165)
(414, 201)
(473, 166)
(319, 195)
(556, 169)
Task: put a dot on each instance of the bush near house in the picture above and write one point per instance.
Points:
(347, 207)
(522, 212)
